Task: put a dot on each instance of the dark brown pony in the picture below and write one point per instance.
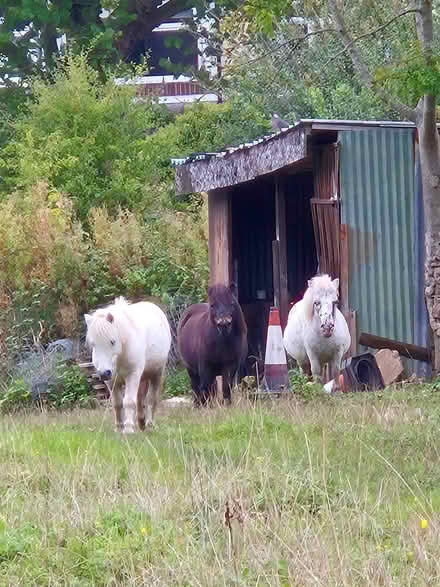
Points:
(212, 341)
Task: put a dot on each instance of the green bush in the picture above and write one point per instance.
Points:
(16, 396)
(71, 389)
(83, 136)
(303, 388)
(164, 256)
(68, 388)
(43, 267)
(177, 383)
(90, 140)
(203, 127)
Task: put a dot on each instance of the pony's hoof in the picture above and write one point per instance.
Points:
(128, 429)
(119, 428)
(149, 425)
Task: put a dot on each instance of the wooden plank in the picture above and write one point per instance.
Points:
(281, 235)
(352, 327)
(276, 272)
(350, 317)
(343, 272)
(411, 351)
(325, 215)
(220, 237)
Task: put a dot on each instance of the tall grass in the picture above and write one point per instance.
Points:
(331, 491)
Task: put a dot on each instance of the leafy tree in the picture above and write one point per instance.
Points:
(33, 33)
(82, 136)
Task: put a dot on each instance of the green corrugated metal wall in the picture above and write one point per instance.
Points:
(377, 203)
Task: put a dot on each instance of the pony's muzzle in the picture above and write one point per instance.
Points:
(227, 321)
(105, 375)
(327, 330)
(224, 324)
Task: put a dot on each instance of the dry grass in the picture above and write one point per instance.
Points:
(326, 492)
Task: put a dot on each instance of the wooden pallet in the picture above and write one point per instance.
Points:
(99, 387)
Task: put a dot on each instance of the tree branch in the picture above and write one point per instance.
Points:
(371, 33)
(359, 64)
(293, 42)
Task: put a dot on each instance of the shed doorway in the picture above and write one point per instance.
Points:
(255, 221)
(302, 261)
(253, 231)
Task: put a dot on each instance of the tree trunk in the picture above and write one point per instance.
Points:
(429, 145)
(146, 15)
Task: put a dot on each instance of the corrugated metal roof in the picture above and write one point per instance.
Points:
(312, 123)
(377, 203)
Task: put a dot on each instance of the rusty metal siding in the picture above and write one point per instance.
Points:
(377, 186)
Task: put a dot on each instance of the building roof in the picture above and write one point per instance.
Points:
(234, 165)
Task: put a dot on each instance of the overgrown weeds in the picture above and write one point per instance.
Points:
(341, 493)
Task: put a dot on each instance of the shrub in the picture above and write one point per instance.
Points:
(177, 383)
(89, 210)
(67, 388)
(167, 255)
(303, 388)
(39, 240)
(71, 389)
(90, 139)
(43, 269)
(15, 396)
(83, 137)
(203, 127)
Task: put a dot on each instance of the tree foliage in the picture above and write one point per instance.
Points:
(34, 33)
(293, 72)
(88, 139)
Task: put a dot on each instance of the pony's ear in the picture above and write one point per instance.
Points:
(336, 283)
(109, 318)
(87, 318)
(233, 289)
(309, 283)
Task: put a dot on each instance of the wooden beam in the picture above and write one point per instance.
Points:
(281, 236)
(276, 273)
(344, 273)
(220, 237)
(405, 349)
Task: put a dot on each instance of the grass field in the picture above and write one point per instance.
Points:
(331, 491)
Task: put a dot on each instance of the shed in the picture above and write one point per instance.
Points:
(335, 196)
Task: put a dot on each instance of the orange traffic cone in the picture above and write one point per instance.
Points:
(276, 377)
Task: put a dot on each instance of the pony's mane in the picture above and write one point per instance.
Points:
(100, 328)
(220, 291)
(120, 301)
(320, 284)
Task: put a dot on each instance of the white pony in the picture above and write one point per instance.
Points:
(317, 333)
(130, 345)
